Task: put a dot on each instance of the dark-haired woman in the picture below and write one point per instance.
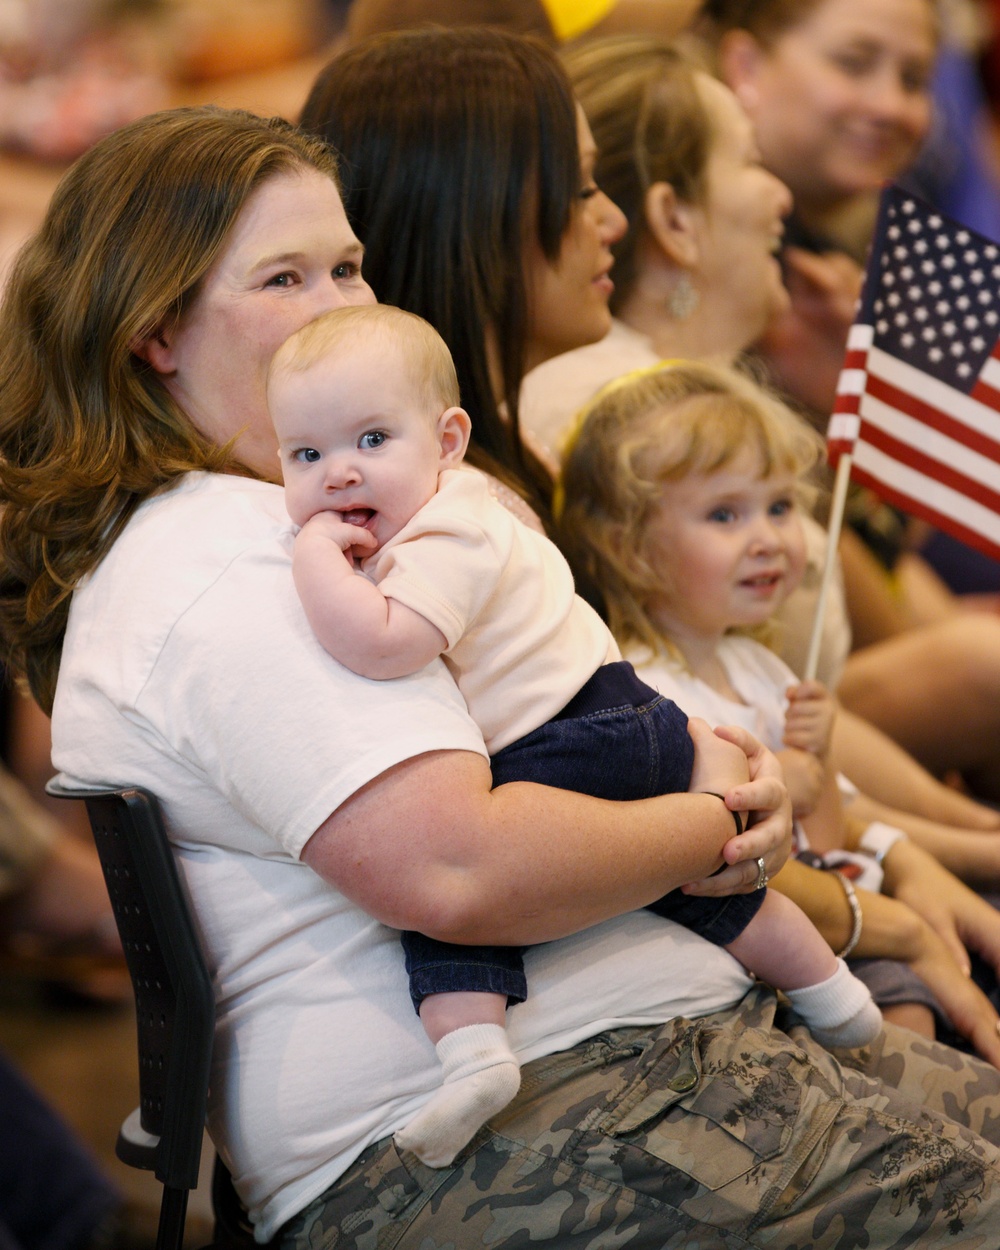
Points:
(468, 176)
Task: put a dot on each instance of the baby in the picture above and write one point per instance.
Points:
(403, 555)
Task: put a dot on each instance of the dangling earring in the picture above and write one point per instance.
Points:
(684, 299)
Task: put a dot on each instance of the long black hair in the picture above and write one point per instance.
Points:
(458, 153)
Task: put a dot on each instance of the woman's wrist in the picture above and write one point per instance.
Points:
(857, 917)
(891, 930)
(904, 864)
(737, 816)
(878, 839)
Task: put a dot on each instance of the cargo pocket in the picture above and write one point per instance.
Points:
(713, 1106)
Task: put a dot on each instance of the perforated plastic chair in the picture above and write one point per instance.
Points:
(175, 1007)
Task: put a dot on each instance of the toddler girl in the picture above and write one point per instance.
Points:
(680, 497)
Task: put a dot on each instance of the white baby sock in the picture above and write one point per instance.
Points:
(839, 1011)
(481, 1076)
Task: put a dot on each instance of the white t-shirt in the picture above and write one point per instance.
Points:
(521, 642)
(757, 675)
(189, 668)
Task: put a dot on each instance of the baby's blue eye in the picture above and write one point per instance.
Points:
(307, 455)
(374, 438)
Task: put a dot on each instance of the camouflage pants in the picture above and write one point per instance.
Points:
(721, 1133)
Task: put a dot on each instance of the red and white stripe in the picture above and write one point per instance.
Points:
(921, 444)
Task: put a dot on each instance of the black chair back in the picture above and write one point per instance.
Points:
(175, 1005)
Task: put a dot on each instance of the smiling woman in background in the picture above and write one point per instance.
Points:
(839, 95)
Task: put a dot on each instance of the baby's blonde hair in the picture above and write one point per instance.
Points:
(654, 426)
(428, 358)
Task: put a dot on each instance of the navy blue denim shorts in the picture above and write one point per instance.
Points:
(618, 739)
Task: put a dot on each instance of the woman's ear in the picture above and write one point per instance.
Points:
(740, 60)
(155, 350)
(671, 224)
(454, 428)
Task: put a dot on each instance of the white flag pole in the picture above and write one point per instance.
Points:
(837, 505)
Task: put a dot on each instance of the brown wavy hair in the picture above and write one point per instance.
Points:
(650, 125)
(87, 429)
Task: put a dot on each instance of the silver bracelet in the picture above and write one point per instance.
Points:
(856, 918)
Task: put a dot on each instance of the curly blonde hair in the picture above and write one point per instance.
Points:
(650, 427)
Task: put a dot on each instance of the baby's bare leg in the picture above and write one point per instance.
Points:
(481, 1074)
(783, 948)
(444, 1013)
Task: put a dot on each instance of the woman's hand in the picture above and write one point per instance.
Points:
(962, 919)
(968, 1009)
(762, 798)
(805, 345)
(953, 920)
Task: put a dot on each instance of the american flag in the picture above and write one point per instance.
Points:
(918, 401)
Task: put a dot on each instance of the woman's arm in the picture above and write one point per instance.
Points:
(890, 775)
(874, 613)
(971, 856)
(428, 846)
(891, 929)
